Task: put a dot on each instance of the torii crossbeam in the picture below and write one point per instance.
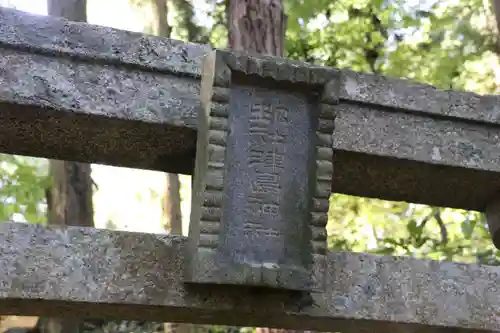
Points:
(100, 95)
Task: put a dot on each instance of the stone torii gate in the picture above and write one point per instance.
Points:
(268, 142)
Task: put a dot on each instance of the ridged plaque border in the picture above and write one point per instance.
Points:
(208, 184)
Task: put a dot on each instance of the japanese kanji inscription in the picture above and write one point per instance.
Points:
(263, 173)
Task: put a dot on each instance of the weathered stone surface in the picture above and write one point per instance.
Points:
(132, 112)
(79, 70)
(263, 174)
(124, 275)
(467, 148)
(418, 98)
(60, 37)
(85, 81)
(412, 136)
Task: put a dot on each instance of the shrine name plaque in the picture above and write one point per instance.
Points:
(263, 173)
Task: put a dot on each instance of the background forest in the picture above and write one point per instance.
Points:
(452, 44)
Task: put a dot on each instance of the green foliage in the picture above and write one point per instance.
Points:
(22, 188)
(447, 45)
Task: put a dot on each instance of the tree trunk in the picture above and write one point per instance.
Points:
(172, 205)
(69, 200)
(161, 27)
(186, 23)
(173, 223)
(257, 27)
(74, 10)
(172, 201)
(496, 12)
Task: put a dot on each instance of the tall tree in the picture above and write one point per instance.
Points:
(172, 201)
(160, 13)
(69, 200)
(172, 204)
(186, 25)
(74, 10)
(257, 27)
